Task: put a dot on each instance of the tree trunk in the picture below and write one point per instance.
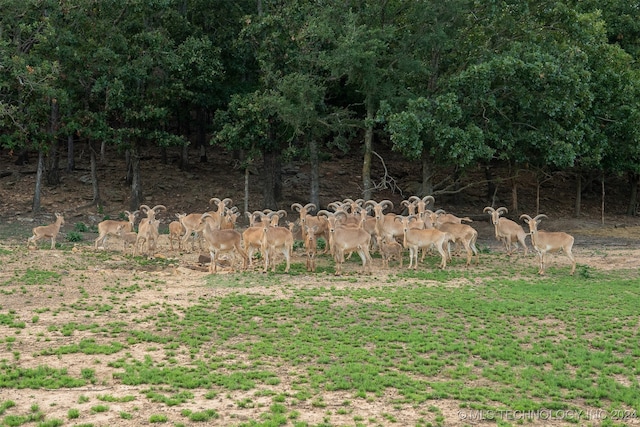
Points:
(53, 164)
(314, 159)
(457, 176)
(136, 179)
(514, 190)
(128, 179)
(246, 189)
(202, 134)
(103, 152)
(632, 209)
(71, 165)
(184, 157)
(426, 187)
(367, 187)
(94, 176)
(602, 194)
(163, 155)
(514, 196)
(35, 208)
(578, 205)
(53, 173)
(272, 186)
(537, 195)
(492, 189)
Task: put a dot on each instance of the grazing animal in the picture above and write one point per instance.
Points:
(549, 241)
(46, 232)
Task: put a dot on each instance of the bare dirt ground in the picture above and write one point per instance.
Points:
(614, 245)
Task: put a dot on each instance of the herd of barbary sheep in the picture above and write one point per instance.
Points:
(352, 226)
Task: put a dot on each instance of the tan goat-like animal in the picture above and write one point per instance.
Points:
(110, 227)
(220, 241)
(193, 226)
(147, 234)
(276, 239)
(46, 232)
(344, 239)
(507, 231)
(229, 219)
(390, 249)
(252, 236)
(464, 235)
(416, 239)
(129, 238)
(548, 242)
(311, 248)
(148, 230)
(318, 223)
(176, 229)
(385, 224)
(442, 217)
(420, 205)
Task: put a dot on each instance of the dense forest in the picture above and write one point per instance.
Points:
(542, 85)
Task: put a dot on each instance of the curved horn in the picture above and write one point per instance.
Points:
(371, 203)
(440, 212)
(159, 207)
(359, 202)
(145, 208)
(539, 217)
(297, 207)
(427, 199)
(526, 217)
(413, 199)
(502, 210)
(281, 213)
(335, 206)
(227, 201)
(387, 203)
(214, 201)
(489, 209)
(324, 213)
(347, 200)
(339, 214)
(261, 214)
(310, 207)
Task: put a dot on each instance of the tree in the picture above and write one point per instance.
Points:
(29, 96)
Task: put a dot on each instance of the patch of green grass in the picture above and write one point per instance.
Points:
(158, 418)
(51, 423)
(200, 416)
(9, 320)
(34, 276)
(85, 346)
(100, 408)
(13, 376)
(73, 413)
(74, 236)
(109, 398)
(6, 405)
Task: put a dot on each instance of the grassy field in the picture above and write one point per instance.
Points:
(98, 338)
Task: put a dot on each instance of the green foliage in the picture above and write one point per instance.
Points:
(201, 416)
(80, 227)
(74, 236)
(158, 418)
